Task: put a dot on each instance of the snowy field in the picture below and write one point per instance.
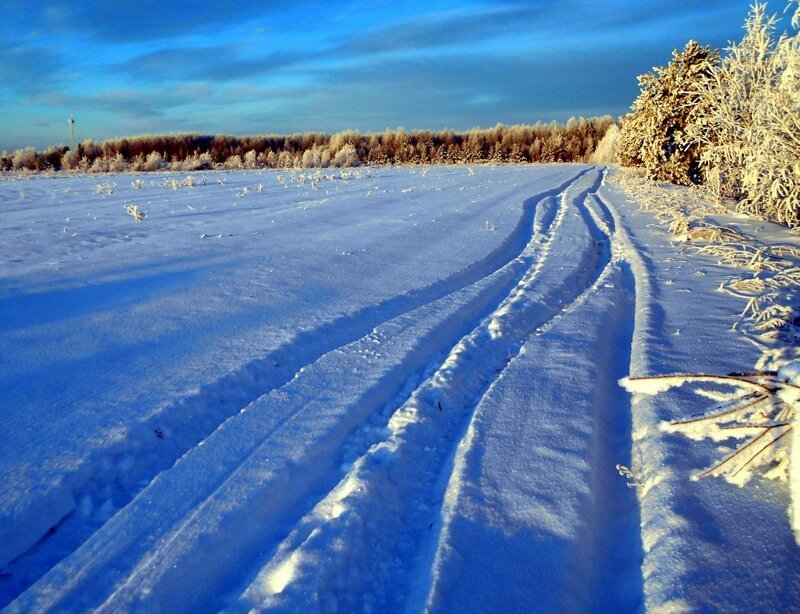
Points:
(366, 390)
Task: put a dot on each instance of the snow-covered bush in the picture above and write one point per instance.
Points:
(195, 162)
(251, 159)
(153, 162)
(654, 135)
(99, 165)
(117, 164)
(234, 163)
(25, 159)
(751, 132)
(346, 156)
(70, 160)
(771, 178)
(316, 157)
(285, 160)
(606, 150)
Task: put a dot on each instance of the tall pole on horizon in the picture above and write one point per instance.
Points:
(71, 133)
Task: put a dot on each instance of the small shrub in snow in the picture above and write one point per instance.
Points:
(154, 162)
(234, 163)
(105, 188)
(188, 182)
(346, 156)
(135, 212)
(625, 472)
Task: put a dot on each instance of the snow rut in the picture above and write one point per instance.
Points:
(386, 507)
(534, 503)
(442, 309)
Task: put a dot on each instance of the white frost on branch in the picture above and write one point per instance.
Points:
(763, 413)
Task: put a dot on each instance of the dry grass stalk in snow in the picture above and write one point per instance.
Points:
(105, 188)
(134, 211)
(762, 411)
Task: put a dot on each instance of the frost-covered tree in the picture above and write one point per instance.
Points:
(606, 150)
(26, 159)
(251, 159)
(234, 162)
(654, 134)
(750, 134)
(154, 162)
(346, 156)
(552, 142)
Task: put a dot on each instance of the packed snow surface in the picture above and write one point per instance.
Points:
(366, 390)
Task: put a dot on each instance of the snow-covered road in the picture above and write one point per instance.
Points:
(370, 390)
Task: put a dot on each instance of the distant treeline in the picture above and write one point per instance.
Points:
(571, 142)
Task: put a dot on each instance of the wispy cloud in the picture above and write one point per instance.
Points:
(215, 63)
(451, 28)
(27, 70)
(284, 66)
(147, 20)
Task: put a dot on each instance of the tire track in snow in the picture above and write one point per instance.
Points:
(535, 517)
(609, 561)
(384, 503)
(538, 220)
(578, 546)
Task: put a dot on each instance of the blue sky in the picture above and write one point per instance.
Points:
(237, 67)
